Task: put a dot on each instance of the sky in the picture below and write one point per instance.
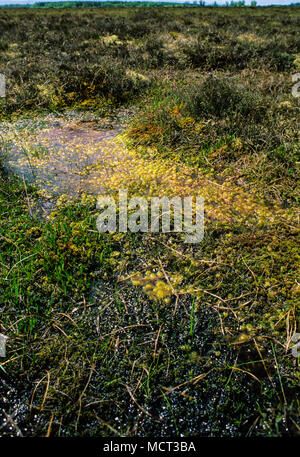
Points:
(207, 2)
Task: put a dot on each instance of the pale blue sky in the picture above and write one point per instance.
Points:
(259, 2)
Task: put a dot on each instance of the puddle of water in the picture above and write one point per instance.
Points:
(64, 156)
(14, 412)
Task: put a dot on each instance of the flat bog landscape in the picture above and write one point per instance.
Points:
(148, 332)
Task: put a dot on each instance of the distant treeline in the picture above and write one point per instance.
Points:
(118, 4)
(111, 4)
(87, 4)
